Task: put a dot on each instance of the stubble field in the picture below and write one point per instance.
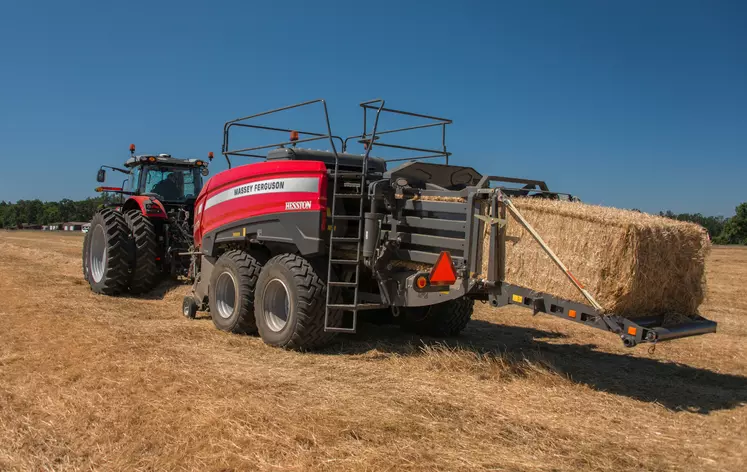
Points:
(97, 383)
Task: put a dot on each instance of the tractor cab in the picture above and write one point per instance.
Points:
(168, 179)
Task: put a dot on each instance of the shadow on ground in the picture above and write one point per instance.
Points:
(674, 386)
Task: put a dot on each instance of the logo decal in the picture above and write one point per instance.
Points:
(298, 205)
(263, 187)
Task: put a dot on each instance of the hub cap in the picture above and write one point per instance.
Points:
(226, 295)
(276, 304)
(98, 253)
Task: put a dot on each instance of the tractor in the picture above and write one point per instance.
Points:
(147, 232)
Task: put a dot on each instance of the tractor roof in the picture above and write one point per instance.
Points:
(164, 159)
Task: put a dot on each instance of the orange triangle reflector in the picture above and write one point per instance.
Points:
(443, 273)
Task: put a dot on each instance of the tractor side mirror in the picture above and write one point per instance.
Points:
(204, 171)
(101, 175)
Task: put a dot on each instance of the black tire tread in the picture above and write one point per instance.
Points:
(143, 268)
(249, 269)
(312, 291)
(444, 319)
(116, 277)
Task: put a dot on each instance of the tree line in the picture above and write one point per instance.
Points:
(36, 212)
(12, 215)
(721, 230)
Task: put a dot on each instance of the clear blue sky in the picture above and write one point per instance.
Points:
(631, 104)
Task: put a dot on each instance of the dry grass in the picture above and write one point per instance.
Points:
(90, 382)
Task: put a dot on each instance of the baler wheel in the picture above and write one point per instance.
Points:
(290, 302)
(444, 319)
(106, 252)
(143, 269)
(232, 286)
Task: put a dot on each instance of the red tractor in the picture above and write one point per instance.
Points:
(146, 234)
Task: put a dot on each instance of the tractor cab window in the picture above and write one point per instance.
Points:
(133, 181)
(173, 184)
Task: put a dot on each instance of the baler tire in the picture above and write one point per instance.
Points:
(441, 320)
(244, 269)
(189, 307)
(306, 290)
(115, 266)
(143, 269)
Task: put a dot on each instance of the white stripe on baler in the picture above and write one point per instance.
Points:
(263, 187)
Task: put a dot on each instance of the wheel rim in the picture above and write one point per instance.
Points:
(226, 298)
(185, 308)
(98, 253)
(276, 304)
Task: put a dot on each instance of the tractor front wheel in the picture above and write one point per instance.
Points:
(106, 252)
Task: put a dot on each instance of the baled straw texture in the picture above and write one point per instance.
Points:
(634, 264)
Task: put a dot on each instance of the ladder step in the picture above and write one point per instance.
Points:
(359, 307)
(344, 261)
(345, 240)
(346, 217)
(349, 195)
(333, 329)
(341, 284)
(349, 174)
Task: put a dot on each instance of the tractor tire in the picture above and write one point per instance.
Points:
(107, 253)
(441, 320)
(143, 269)
(290, 303)
(86, 260)
(231, 293)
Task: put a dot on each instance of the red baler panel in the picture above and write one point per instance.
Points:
(260, 189)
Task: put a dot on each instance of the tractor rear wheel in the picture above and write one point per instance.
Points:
(86, 259)
(444, 319)
(231, 296)
(107, 253)
(143, 270)
(290, 304)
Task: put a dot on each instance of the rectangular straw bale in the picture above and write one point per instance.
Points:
(633, 263)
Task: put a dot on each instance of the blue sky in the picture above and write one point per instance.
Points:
(634, 104)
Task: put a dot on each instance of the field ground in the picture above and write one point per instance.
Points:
(91, 382)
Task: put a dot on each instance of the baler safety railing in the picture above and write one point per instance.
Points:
(246, 152)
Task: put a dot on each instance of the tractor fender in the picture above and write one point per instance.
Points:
(150, 207)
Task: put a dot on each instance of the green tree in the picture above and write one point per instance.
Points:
(735, 230)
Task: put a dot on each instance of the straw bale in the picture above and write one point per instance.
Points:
(634, 264)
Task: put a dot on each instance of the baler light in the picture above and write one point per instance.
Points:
(572, 313)
(632, 330)
(152, 159)
(132, 148)
(443, 272)
(210, 155)
(200, 163)
(294, 136)
(421, 282)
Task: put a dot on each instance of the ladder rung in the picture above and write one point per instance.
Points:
(349, 174)
(346, 217)
(349, 195)
(358, 307)
(333, 329)
(345, 240)
(341, 284)
(344, 261)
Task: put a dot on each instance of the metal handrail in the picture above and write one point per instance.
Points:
(245, 151)
(369, 140)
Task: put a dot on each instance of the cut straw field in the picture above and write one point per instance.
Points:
(95, 383)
